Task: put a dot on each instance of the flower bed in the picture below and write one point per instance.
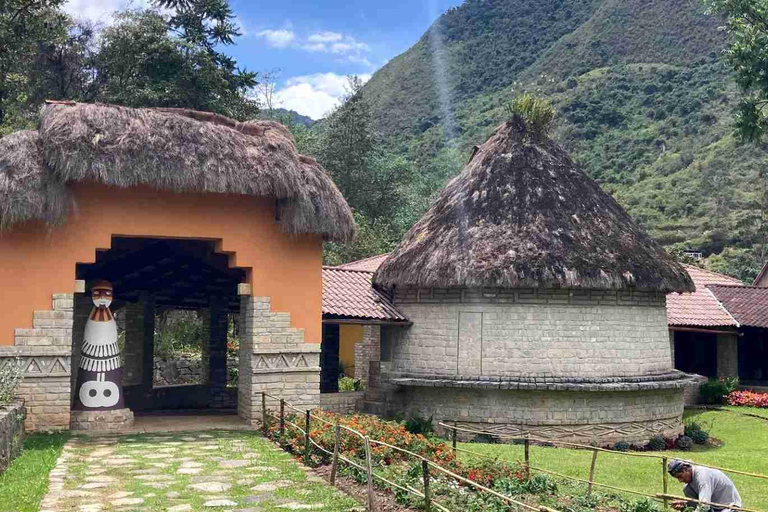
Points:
(748, 399)
(507, 478)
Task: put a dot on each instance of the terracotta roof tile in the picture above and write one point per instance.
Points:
(747, 304)
(700, 308)
(369, 264)
(350, 294)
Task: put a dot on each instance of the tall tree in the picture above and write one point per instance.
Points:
(24, 24)
(141, 64)
(746, 22)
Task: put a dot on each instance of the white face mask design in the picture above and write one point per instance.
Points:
(102, 301)
(94, 393)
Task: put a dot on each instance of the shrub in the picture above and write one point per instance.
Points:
(747, 399)
(419, 425)
(533, 114)
(350, 384)
(485, 439)
(714, 391)
(621, 446)
(696, 433)
(10, 378)
(541, 484)
(657, 443)
(684, 443)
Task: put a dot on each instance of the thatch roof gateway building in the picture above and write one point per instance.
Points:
(178, 209)
(537, 304)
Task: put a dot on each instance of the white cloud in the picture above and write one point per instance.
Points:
(314, 95)
(325, 37)
(277, 38)
(101, 10)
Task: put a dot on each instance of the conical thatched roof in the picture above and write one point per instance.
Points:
(170, 149)
(522, 215)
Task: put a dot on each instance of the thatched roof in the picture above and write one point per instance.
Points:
(521, 214)
(181, 151)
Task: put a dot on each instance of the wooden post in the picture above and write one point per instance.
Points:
(264, 421)
(455, 432)
(664, 478)
(425, 473)
(335, 463)
(592, 472)
(527, 458)
(282, 421)
(306, 438)
(369, 467)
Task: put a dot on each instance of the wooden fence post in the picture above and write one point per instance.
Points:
(455, 431)
(335, 463)
(306, 438)
(282, 421)
(592, 472)
(369, 464)
(664, 478)
(425, 473)
(264, 423)
(527, 458)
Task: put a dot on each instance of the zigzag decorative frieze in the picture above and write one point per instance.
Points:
(40, 366)
(280, 362)
(596, 432)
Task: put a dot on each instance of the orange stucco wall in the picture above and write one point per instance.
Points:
(35, 264)
(349, 334)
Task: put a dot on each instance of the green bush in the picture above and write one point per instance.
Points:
(696, 433)
(714, 391)
(656, 444)
(419, 425)
(621, 446)
(350, 384)
(684, 443)
(641, 505)
(534, 114)
(10, 378)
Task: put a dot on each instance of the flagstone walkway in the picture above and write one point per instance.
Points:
(185, 472)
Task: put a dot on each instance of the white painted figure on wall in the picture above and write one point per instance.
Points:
(100, 375)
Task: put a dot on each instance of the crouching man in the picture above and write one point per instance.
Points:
(704, 484)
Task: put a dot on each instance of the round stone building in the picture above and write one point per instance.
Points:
(537, 304)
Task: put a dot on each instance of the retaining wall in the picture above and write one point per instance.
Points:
(11, 432)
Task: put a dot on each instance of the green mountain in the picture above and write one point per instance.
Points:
(644, 100)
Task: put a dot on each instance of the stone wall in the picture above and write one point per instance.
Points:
(45, 353)
(603, 417)
(347, 402)
(367, 351)
(691, 393)
(275, 359)
(509, 333)
(179, 370)
(11, 432)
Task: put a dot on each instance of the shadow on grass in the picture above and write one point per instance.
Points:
(24, 484)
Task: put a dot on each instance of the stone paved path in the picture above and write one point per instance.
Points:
(185, 472)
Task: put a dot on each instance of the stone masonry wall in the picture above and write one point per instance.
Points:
(511, 333)
(347, 402)
(45, 353)
(604, 417)
(367, 351)
(11, 433)
(275, 359)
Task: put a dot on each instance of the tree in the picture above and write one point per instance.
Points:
(266, 89)
(140, 64)
(746, 22)
(24, 24)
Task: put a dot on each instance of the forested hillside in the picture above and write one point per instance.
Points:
(645, 104)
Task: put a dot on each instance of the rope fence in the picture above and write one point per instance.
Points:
(428, 466)
(663, 497)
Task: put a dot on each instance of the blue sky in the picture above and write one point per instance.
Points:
(313, 44)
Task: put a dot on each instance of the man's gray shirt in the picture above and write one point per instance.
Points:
(713, 486)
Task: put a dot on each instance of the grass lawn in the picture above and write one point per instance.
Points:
(748, 410)
(25, 482)
(745, 449)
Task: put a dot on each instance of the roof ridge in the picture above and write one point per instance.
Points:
(744, 286)
(722, 306)
(688, 265)
(364, 259)
(326, 267)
